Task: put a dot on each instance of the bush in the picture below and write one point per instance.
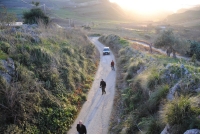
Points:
(56, 120)
(40, 56)
(180, 114)
(151, 125)
(156, 97)
(195, 49)
(34, 15)
(13, 129)
(4, 46)
(154, 127)
(153, 80)
(131, 69)
(123, 42)
(3, 55)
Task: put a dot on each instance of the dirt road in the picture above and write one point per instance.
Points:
(156, 49)
(96, 111)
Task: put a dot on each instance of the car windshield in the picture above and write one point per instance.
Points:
(105, 49)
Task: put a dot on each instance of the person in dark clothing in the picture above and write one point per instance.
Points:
(103, 86)
(112, 65)
(81, 128)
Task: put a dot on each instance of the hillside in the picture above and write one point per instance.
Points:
(185, 17)
(79, 11)
(46, 71)
(45, 75)
(155, 94)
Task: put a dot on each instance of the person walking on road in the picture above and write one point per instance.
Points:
(81, 128)
(112, 65)
(103, 86)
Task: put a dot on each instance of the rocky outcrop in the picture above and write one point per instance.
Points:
(165, 130)
(7, 69)
(192, 131)
(170, 96)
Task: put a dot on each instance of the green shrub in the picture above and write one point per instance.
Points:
(122, 51)
(40, 57)
(123, 42)
(153, 80)
(150, 125)
(84, 97)
(123, 59)
(34, 15)
(156, 97)
(194, 49)
(132, 68)
(128, 76)
(4, 46)
(3, 83)
(154, 127)
(69, 51)
(3, 56)
(134, 97)
(13, 129)
(180, 114)
(178, 110)
(87, 86)
(56, 120)
(175, 69)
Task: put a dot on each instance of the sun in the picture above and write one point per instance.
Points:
(154, 6)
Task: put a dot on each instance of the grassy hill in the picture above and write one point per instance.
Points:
(153, 90)
(78, 10)
(45, 75)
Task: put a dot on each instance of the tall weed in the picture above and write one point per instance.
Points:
(180, 114)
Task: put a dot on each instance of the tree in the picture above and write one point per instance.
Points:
(36, 3)
(194, 49)
(34, 15)
(6, 18)
(168, 41)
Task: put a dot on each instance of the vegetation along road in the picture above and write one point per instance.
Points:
(96, 111)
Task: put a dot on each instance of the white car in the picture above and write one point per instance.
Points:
(106, 51)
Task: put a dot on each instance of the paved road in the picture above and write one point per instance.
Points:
(96, 111)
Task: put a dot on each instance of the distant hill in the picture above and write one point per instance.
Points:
(79, 10)
(98, 11)
(182, 10)
(186, 17)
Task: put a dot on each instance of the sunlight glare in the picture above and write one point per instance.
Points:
(153, 6)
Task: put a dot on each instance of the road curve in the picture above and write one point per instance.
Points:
(96, 111)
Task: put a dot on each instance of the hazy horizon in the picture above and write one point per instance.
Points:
(154, 6)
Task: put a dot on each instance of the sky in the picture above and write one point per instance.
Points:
(153, 6)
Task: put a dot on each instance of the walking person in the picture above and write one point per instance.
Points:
(103, 86)
(81, 128)
(112, 65)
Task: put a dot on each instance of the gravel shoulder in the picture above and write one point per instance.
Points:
(96, 111)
